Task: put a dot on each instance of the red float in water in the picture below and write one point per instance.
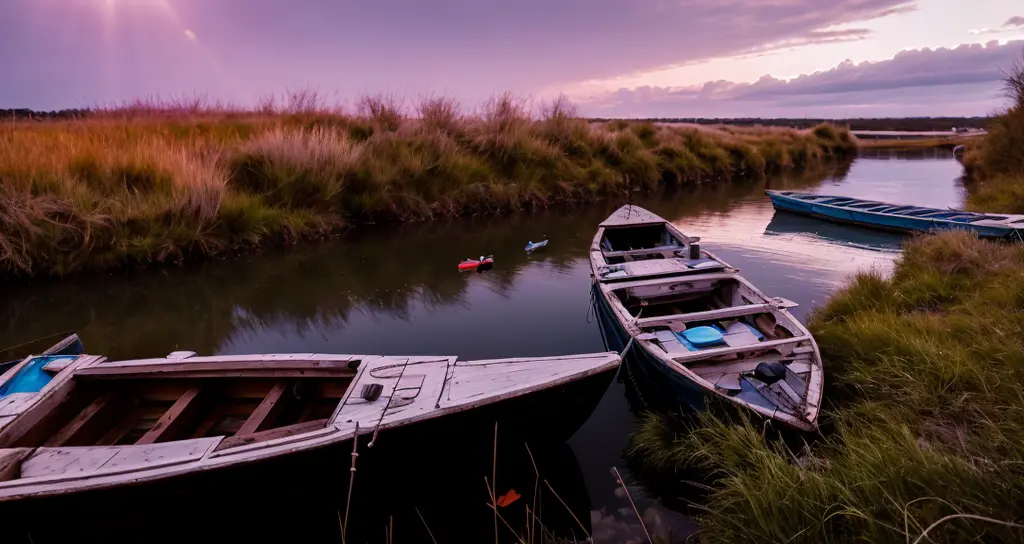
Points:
(470, 264)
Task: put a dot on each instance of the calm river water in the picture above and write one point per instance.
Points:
(397, 291)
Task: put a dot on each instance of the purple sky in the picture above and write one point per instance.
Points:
(614, 58)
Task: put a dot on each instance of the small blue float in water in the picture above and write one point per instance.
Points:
(530, 246)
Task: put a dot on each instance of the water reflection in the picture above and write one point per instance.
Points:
(398, 291)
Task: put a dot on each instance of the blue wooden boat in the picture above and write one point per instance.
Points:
(896, 217)
(70, 345)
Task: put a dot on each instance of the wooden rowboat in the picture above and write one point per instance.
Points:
(698, 328)
(96, 424)
(895, 217)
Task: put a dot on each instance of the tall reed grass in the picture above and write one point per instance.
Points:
(924, 404)
(161, 182)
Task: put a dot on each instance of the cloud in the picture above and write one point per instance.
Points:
(191, 35)
(1014, 21)
(471, 47)
(966, 78)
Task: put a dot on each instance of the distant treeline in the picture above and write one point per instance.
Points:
(909, 123)
(916, 124)
(26, 114)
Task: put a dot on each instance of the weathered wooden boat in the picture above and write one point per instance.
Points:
(697, 327)
(895, 217)
(94, 424)
(69, 345)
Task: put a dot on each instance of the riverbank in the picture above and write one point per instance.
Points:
(948, 142)
(996, 167)
(925, 376)
(147, 185)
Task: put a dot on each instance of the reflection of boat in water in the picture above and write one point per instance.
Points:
(785, 223)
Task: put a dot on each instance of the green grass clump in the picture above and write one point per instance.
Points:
(154, 183)
(925, 383)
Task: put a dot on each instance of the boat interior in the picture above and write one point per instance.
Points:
(621, 245)
(141, 404)
(912, 211)
(729, 335)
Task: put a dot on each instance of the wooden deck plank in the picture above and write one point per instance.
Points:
(264, 414)
(175, 418)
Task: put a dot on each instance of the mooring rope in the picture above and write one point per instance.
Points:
(351, 481)
(444, 382)
(30, 342)
(593, 300)
(384, 412)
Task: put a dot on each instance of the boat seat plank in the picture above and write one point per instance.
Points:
(714, 352)
(710, 315)
(57, 365)
(175, 418)
(271, 434)
(641, 251)
(801, 363)
(264, 414)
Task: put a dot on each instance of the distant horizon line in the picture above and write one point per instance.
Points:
(5, 112)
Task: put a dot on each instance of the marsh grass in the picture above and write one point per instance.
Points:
(997, 165)
(925, 389)
(156, 182)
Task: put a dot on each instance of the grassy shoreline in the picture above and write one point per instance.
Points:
(926, 378)
(924, 143)
(152, 184)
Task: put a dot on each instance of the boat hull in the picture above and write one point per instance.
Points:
(318, 478)
(881, 221)
(650, 377)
